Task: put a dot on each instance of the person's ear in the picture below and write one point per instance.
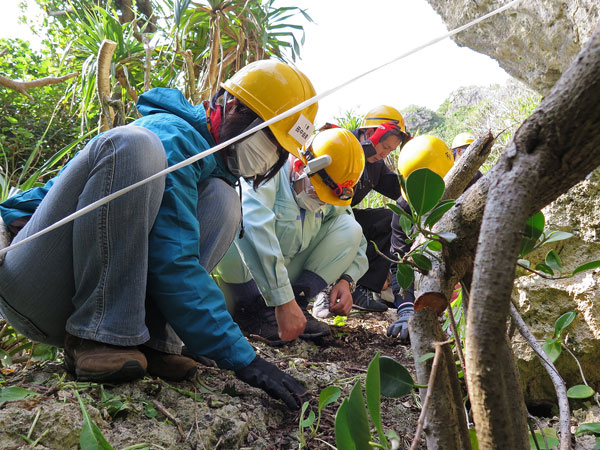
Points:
(369, 132)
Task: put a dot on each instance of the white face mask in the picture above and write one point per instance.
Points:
(307, 197)
(305, 201)
(254, 155)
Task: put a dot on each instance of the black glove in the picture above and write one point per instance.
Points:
(264, 375)
(399, 328)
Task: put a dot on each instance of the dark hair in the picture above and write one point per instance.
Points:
(404, 136)
(238, 120)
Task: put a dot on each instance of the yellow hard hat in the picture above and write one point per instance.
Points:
(270, 87)
(427, 152)
(462, 139)
(335, 183)
(382, 114)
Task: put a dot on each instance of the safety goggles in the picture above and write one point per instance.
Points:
(342, 192)
(305, 185)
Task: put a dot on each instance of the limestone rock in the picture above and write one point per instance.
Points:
(542, 301)
(534, 41)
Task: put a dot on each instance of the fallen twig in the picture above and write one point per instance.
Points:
(169, 416)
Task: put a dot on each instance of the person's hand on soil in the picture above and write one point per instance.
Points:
(290, 320)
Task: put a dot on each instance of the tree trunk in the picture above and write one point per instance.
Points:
(445, 422)
(554, 149)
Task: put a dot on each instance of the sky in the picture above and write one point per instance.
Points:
(349, 37)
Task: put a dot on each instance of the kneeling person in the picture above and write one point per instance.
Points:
(300, 235)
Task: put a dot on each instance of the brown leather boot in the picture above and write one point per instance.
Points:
(100, 362)
(169, 366)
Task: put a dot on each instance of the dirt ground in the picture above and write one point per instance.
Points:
(228, 414)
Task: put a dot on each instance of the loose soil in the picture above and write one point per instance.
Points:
(226, 413)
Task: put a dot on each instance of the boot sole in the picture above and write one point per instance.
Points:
(131, 370)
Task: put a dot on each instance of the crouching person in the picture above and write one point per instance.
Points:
(422, 152)
(120, 285)
(299, 236)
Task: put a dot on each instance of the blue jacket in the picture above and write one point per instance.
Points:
(186, 294)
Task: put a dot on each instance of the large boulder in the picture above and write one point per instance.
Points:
(534, 41)
(542, 301)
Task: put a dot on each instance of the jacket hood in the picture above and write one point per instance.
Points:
(172, 101)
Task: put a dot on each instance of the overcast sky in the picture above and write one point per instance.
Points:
(348, 37)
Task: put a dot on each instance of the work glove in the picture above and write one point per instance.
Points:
(264, 375)
(399, 328)
(381, 130)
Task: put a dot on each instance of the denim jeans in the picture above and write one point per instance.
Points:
(88, 277)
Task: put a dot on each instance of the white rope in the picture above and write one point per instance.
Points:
(277, 118)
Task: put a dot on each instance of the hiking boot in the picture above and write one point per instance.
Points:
(314, 328)
(320, 309)
(259, 320)
(363, 300)
(386, 297)
(169, 366)
(100, 362)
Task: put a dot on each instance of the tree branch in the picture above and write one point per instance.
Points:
(23, 86)
(544, 159)
(557, 381)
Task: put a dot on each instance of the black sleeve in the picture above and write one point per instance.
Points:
(388, 183)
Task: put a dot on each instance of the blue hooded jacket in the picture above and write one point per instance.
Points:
(185, 293)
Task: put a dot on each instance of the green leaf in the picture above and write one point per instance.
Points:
(327, 396)
(13, 393)
(591, 427)
(580, 391)
(563, 322)
(343, 438)
(358, 421)
(373, 391)
(308, 421)
(399, 211)
(473, 439)
(447, 236)
(91, 437)
(597, 446)
(438, 212)
(544, 268)
(424, 189)
(150, 410)
(556, 236)
(405, 275)
(524, 262)
(533, 230)
(434, 246)
(396, 381)
(425, 357)
(405, 224)
(553, 261)
(552, 348)
(422, 261)
(552, 441)
(587, 266)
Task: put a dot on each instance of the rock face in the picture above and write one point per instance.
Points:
(534, 41)
(542, 301)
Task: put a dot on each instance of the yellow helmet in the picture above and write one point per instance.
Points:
(462, 139)
(382, 114)
(270, 87)
(335, 183)
(427, 152)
